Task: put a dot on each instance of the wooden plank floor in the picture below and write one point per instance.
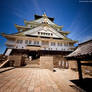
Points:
(34, 80)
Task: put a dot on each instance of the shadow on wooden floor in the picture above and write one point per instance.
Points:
(85, 84)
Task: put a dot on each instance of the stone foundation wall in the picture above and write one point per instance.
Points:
(46, 62)
(87, 69)
(17, 60)
(73, 65)
(60, 61)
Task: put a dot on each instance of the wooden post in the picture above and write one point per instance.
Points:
(79, 70)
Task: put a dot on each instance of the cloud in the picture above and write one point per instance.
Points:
(25, 12)
(36, 4)
(19, 13)
(85, 39)
(80, 27)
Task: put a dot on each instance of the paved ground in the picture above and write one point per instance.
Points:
(37, 80)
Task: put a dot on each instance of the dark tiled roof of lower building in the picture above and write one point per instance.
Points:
(84, 49)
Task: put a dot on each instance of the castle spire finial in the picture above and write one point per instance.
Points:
(44, 15)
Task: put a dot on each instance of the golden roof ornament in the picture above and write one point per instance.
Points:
(45, 18)
(44, 15)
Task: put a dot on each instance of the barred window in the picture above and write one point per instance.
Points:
(52, 43)
(26, 41)
(36, 42)
(65, 44)
(51, 34)
(43, 33)
(19, 41)
(59, 44)
(38, 32)
(30, 42)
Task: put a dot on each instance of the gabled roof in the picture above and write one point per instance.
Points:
(24, 28)
(64, 32)
(41, 27)
(41, 19)
(19, 27)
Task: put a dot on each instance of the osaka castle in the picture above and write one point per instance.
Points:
(40, 36)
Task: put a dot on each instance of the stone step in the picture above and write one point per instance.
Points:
(32, 66)
(36, 61)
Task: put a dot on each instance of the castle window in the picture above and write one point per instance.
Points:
(29, 42)
(41, 33)
(44, 33)
(36, 42)
(48, 48)
(38, 32)
(48, 33)
(19, 41)
(65, 44)
(51, 34)
(26, 41)
(59, 44)
(52, 43)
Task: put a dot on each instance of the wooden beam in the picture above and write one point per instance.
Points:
(79, 70)
(86, 64)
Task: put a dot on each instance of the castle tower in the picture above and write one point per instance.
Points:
(39, 37)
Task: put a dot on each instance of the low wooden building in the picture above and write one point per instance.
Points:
(83, 56)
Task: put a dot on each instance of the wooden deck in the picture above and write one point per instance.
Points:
(36, 80)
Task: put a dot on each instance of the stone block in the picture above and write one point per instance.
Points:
(16, 59)
(73, 65)
(46, 62)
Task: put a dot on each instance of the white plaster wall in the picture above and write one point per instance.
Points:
(56, 47)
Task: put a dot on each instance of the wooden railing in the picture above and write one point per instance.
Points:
(3, 60)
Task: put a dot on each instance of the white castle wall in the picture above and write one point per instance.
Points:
(48, 47)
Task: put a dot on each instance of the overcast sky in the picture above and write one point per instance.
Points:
(74, 15)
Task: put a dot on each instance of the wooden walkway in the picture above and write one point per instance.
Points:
(35, 80)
